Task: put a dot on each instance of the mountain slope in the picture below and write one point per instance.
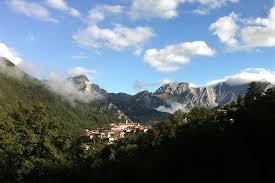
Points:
(174, 96)
(16, 86)
(209, 96)
(136, 107)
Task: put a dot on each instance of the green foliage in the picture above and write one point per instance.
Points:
(201, 116)
(200, 146)
(254, 92)
(191, 147)
(195, 118)
(180, 118)
(30, 142)
(75, 117)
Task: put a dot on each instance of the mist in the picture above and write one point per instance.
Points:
(10, 71)
(66, 88)
(173, 107)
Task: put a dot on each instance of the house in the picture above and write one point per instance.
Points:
(115, 131)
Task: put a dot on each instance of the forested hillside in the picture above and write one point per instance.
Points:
(229, 144)
(18, 87)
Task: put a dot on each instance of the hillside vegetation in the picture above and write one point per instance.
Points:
(229, 144)
(22, 88)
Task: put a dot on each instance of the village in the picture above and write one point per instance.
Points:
(116, 131)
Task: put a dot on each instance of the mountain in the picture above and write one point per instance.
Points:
(174, 96)
(138, 107)
(83, 84)
(209, 96)
(94, 106)
(135, 108)
(155, 106)
(18, 87)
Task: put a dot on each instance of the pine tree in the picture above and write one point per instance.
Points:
(253, 93)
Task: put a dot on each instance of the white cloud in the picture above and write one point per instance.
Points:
(169, 59)
(250, 33)
(262, 34)
(208, 5)
(149, 9)
(118, 38)
(31, 9)
(247, 76)
(226, 29)
(9, 53)
(99, 13)
(175, 106)
(63, 6)
(13, 56)
(146, 9)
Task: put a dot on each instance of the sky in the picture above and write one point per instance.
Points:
(133, 45)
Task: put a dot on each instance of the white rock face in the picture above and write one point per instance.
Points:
(189, 96)
(82, 83)
(173, 94)
(174, 88)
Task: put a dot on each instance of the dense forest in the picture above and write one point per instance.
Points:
(18, 87)
(234, 143)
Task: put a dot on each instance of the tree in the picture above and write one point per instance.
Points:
(31, 144)
(179, 118)
(254, 92)
(240, 101)
(201, 116)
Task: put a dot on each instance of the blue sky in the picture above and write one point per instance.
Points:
(132, 45)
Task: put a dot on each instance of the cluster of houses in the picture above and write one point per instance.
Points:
(115, 131)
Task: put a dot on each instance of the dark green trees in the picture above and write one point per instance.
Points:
(253, 92)
(31, 144)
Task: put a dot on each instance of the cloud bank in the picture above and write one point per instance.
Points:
(247, 76)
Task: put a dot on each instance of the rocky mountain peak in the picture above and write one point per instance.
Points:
(82, 83)
(80, 79)
(173, 88)
(143, 93)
